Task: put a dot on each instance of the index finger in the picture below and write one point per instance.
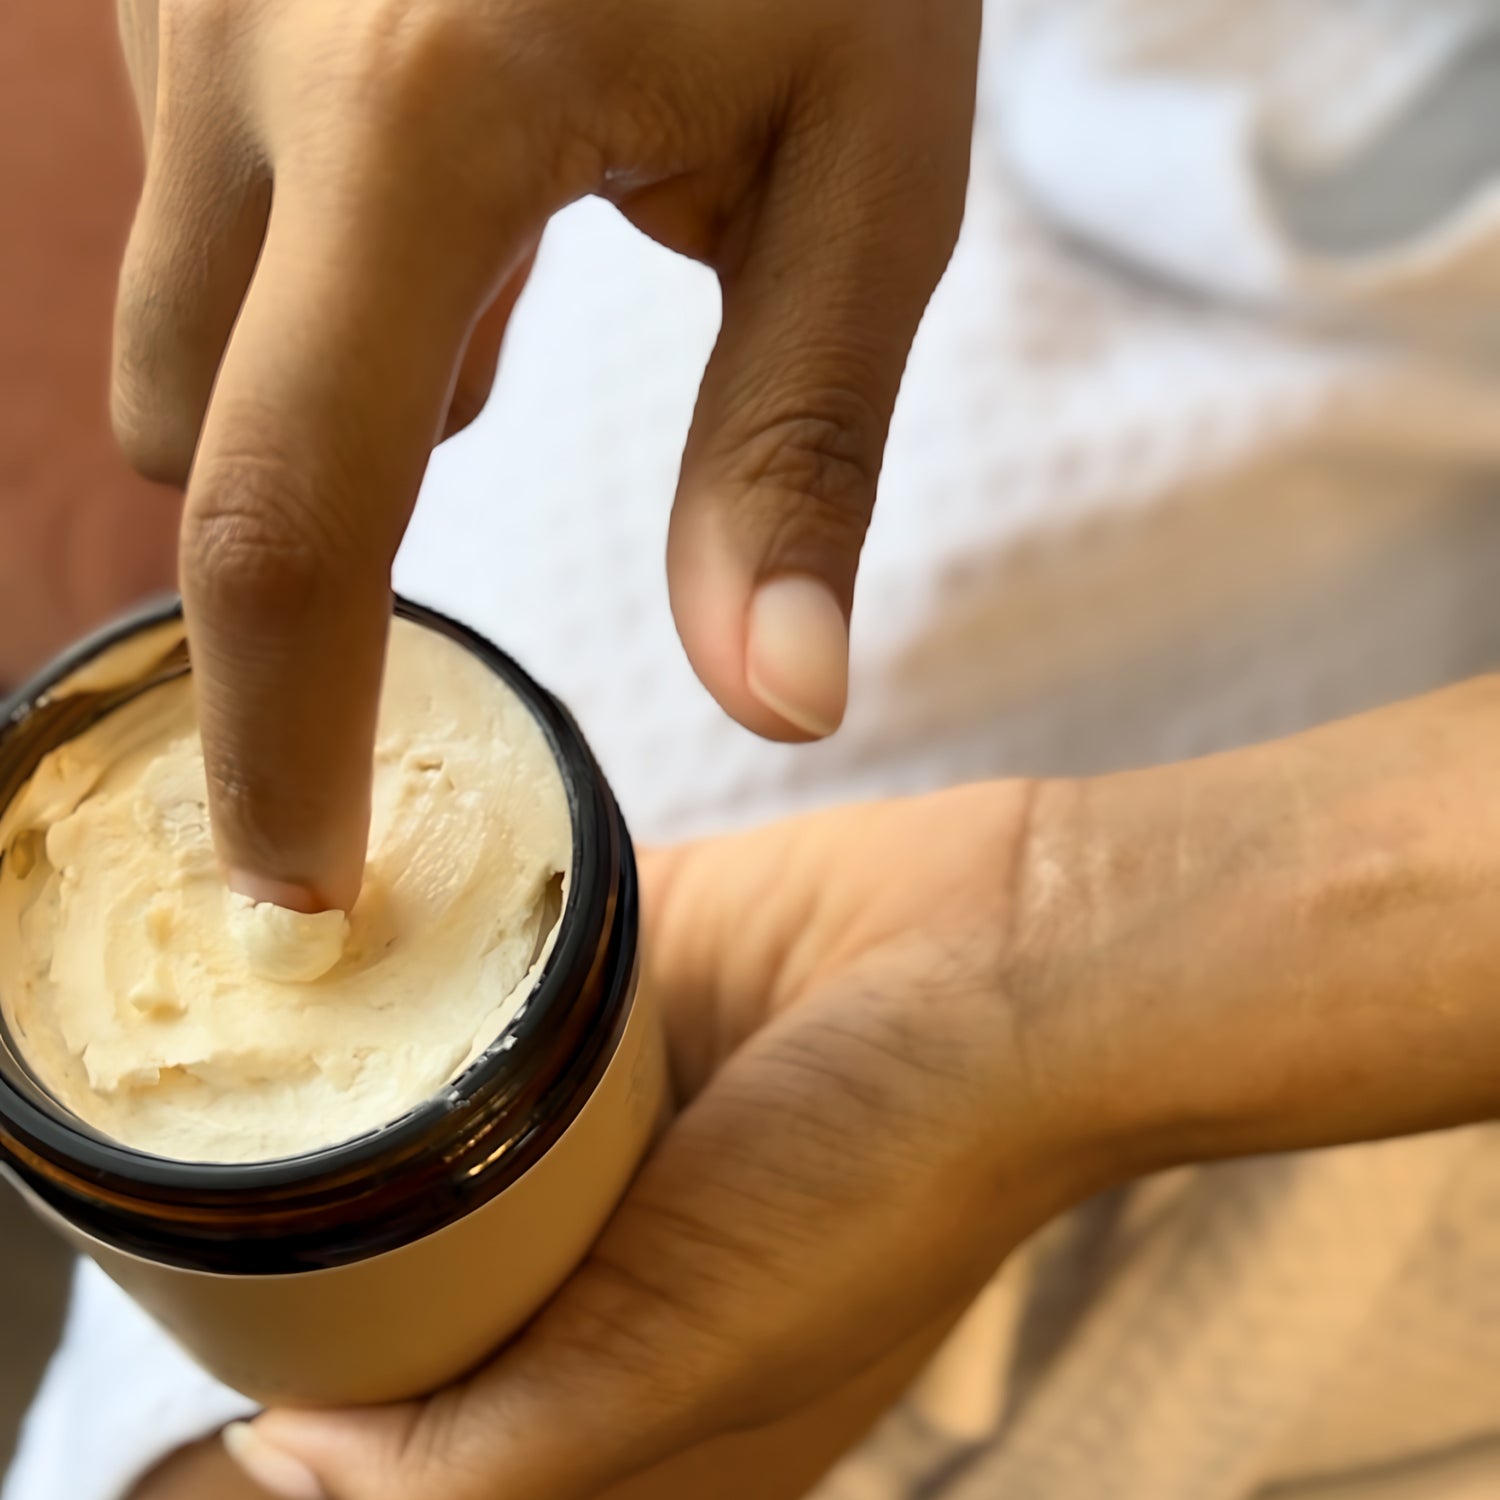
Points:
(330, 398)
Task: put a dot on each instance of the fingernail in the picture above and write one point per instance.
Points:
(270, 1467)
(274, 892)
(797, 658)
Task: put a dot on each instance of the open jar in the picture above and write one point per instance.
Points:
(384, 1265)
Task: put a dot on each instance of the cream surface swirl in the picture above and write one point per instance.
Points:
(188, 1022)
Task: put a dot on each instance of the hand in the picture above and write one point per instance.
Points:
(866, 1132)
(813, 152)
(907, 1034)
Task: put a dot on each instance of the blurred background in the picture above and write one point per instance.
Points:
(69, 171)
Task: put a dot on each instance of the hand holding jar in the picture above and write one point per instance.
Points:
(905, 1035)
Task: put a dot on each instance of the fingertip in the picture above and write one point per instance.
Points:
(270, 1466)
(797, 653)
(777, 666)
(355, 1451)
(275, 835)
(289, 895)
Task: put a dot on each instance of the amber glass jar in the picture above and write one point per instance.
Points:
(387, 1265)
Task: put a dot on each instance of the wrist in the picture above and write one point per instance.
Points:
(1280, 948)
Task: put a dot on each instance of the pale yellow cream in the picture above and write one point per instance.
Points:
(185, 1021)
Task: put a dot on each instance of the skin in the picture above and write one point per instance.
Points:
(779, 1461)
(906, 1035)
(295, 354)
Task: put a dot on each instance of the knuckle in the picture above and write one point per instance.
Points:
(416, 108)
(254, 544)
(808, 480)
(470, 97)
(418, 65)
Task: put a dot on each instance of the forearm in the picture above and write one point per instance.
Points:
(1285, 947)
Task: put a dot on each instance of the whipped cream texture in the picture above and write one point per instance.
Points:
(189, 1022)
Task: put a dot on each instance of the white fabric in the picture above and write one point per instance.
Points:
(1119, 523)
(1256, 151)
(117, 1398)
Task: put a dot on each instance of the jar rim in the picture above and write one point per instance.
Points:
(456, 1148)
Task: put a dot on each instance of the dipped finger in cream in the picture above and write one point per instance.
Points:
(267, 1124)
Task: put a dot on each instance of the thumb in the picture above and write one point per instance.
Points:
(758, 1265)
(779, 475)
